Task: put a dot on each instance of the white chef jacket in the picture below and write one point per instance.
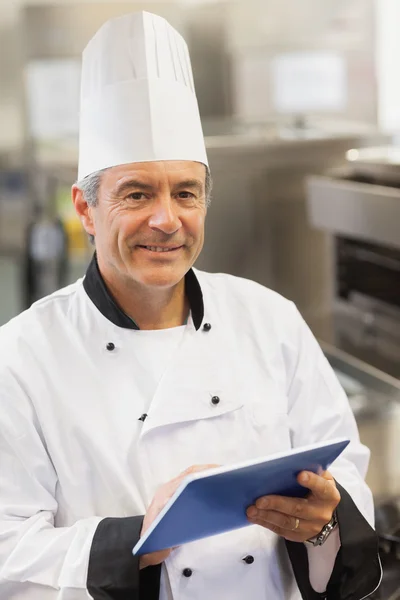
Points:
(74, 451)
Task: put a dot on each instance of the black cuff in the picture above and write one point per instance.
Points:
(357, 571)
(299, 558)
(113, 572)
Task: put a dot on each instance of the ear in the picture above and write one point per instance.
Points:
(83, 211)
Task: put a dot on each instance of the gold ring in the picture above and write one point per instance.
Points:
(297, 525)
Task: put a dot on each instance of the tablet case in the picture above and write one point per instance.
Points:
(215, 501)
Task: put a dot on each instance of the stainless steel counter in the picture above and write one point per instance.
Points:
(375, 400)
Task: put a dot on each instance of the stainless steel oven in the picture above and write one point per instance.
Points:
(360, 207)
(366, 315)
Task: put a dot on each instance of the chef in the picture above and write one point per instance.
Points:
(114, 388)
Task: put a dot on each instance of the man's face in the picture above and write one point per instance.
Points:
(149, 221)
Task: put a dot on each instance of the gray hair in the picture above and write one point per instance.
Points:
(89, 187)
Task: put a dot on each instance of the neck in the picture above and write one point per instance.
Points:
(149, 307)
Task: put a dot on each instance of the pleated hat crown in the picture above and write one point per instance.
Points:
(138, 101)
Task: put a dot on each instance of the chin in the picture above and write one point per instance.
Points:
(162, 278)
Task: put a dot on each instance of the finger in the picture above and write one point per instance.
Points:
(289, 527)
(194, 469)
(307, 509)
(174, 483)
(290, 524)
(323, 487)
(288, 535)
(301, 508)
(156, 558)
(165, 493)
(278, 519)
(170, 487)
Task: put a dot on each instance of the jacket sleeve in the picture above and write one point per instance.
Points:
(92, 558)
(319, 410)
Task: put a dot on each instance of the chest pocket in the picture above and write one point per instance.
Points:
(186, 405)
(269, 429)
(212, 427)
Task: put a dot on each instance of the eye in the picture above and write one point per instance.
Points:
(186, 195)
(136, 196)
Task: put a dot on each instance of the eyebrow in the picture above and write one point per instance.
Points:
(133, 183)
(126, 186)
(190, 183)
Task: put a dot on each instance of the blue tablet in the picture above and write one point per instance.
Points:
(215, 501)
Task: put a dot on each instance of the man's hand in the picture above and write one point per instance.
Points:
(298, 519)
(161, 497)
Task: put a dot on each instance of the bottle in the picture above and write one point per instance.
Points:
(46, 256)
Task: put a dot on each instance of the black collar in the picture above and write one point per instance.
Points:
(97, 291)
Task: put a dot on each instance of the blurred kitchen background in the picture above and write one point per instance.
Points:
(300, 103)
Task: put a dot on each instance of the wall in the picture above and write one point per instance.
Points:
(11, 124)
(387, 59)
(233, 44)
(50, 29)
(263, 29)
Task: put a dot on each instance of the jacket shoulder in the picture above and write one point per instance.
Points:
(43, 317)
(238, 291)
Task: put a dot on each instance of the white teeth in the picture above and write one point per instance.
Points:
(157, 249)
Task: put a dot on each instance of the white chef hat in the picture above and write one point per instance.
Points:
(138, 101)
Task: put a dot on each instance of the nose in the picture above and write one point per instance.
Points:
(164, 216)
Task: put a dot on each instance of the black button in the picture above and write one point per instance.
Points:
(207, 326)
(143, 417)
(215, 400)
(187, 572)
(249, 559)
(110, 346)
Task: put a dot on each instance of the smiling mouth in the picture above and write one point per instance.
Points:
(161, 248)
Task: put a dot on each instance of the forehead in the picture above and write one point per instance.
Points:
(173, 170)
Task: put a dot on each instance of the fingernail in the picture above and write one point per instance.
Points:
(305, 477)
(252, 512)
